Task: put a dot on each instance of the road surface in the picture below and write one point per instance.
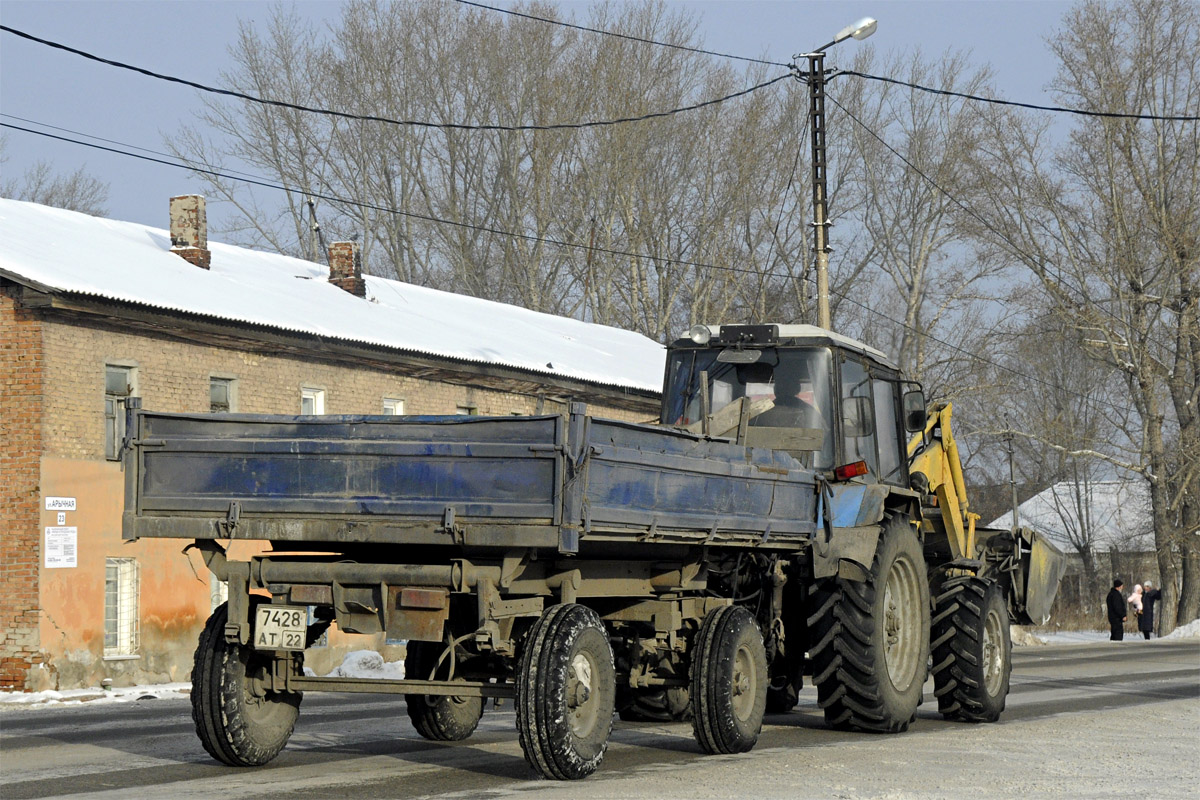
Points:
(1086, 721)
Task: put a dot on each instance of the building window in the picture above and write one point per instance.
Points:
(120, 607)
(468, 411)
(393, 406)
(312, 401)
(218, 592)
(221, 395)
(118, 386)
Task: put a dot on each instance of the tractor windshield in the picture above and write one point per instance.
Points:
(793, 383)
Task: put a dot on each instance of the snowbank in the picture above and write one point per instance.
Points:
(1189, 631)
(359, 664)
(125, 694)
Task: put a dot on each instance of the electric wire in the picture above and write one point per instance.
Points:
(1058, 109)
(963, 206)
(556, 242)
(626, 36)
(457, 126)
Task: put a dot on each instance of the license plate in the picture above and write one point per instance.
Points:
(280, 627)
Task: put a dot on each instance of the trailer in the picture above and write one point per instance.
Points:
(773, 525)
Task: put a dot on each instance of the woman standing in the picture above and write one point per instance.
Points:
(1149, 597)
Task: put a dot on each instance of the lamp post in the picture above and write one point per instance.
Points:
(816, 116)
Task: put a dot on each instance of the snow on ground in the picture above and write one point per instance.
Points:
(1027, 636)
(359, 664)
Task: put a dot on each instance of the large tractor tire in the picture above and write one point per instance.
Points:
(566, 693)
(235, 726)
(729, 681)
(439, 718)
(972, 649)
(870, 638)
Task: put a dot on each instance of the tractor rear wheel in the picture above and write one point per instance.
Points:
(972, 649)
(871, 638)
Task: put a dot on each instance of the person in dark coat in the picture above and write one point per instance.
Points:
(1150, 596)
(1116, 611)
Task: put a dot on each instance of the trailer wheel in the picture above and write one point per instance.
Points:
(871, 638)
(235, 726)
(656, 705)
(972, 649)
(439, 718)
(566, 693)
(729, 681)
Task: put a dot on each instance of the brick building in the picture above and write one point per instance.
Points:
(94, 311)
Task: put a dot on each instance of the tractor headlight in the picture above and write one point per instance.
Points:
(700, 334)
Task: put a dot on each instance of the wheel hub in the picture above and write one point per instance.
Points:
(993, 653)
(580, 690)
(902, 623)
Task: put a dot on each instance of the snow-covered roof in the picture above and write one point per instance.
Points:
(1116, 512)
(63, 251)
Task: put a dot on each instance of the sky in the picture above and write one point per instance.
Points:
(190, 39)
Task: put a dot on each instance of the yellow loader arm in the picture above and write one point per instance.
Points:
(1028, 566)
(933, 453)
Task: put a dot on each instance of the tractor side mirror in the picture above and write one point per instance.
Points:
(914, 411)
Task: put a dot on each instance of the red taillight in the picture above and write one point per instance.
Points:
(848, 471)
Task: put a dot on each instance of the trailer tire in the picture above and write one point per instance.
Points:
(235, 727)
(672, 704)
(566, 693)
(870, 638)
(439, 718)
(972, 649)
(729, 681)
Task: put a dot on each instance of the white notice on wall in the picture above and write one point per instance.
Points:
(60, 503)
(61, 548)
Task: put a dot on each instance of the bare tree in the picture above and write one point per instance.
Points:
(75, 191)
(1110, 229)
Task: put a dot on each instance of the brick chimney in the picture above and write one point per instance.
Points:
(345, 268)
(189, 229)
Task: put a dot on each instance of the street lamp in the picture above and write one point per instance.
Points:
(816, 115)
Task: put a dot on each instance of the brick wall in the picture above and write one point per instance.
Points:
(21, 393)
(174, 376)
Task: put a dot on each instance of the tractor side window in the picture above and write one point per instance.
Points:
(858, 419)
(890, 460)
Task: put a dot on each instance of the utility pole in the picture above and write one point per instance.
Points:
(816, 119)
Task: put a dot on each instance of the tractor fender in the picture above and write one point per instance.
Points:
(855, 513)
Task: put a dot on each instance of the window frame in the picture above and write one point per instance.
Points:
(114, 407)
(317, 395)
(121, 602)
(231, 384)
(397, 406)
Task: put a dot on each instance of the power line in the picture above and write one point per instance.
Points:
(102, 139)
(1060, 109)
(538, 239)
(372, 118)
(970, 211)
(620, 35)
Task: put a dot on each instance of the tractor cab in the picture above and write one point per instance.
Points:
(834, 403)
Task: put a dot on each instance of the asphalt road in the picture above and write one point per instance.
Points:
(1088, 721)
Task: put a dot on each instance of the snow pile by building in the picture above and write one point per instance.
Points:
(365, 664)
(125, 694)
